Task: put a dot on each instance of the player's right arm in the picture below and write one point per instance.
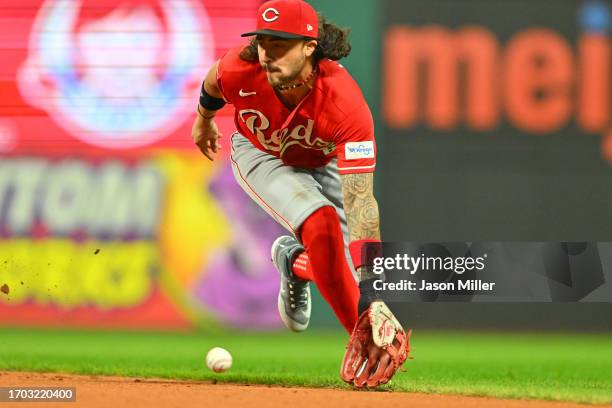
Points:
(205, 132)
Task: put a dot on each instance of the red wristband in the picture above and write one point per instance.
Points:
(358, 255)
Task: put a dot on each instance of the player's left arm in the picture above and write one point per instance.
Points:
(361, 210)
(356, 161)
(383, 354)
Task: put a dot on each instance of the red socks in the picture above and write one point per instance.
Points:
(324, 262)
(301, 267)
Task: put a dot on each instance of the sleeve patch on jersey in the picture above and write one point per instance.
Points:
(359, 150)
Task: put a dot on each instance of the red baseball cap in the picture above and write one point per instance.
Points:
(286, 19)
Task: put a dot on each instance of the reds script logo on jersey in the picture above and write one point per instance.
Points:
(281, 139)
(333, 121)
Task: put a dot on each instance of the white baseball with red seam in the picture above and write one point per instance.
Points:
(218, 359)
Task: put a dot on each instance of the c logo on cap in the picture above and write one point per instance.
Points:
(267, 12)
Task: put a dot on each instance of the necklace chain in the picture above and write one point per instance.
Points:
(298, 84)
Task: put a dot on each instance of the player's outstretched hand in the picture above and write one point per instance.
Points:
(206, 136)
(377, 348)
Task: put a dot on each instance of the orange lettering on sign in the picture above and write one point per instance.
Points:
(434, 55)
(541, 80)
(539, 73)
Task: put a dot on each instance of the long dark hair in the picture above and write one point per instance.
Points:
(332, 43)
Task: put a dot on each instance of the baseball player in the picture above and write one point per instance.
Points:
(304, 150)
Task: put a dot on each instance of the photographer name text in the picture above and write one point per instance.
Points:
(476, 285)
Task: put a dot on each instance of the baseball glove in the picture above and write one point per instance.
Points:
(377, 348)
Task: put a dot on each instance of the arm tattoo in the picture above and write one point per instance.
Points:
(361, 210)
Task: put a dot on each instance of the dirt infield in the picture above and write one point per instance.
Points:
(140, 393)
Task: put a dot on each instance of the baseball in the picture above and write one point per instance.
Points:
(218, 359)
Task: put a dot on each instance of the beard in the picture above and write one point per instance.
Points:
(276, 77)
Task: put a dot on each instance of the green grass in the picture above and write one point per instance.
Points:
(567, 367)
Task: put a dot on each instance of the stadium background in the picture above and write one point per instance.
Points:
(493, 123)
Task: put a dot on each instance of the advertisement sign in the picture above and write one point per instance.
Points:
(109, 215)
(495, 120)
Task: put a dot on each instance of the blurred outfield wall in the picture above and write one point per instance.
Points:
(493, 123)
(497, 116)
(491, 120)
(109, 215)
